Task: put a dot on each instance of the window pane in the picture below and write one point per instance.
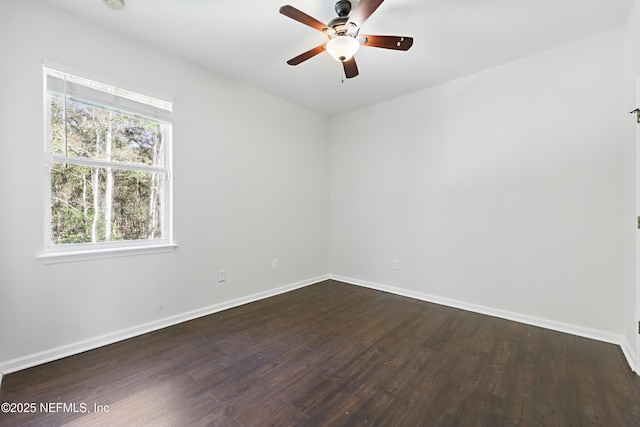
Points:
(99, 133)
(91, 204)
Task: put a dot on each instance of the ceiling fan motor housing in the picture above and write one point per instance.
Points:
(341, 25)
(343, 8)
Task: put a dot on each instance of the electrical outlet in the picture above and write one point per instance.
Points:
(221, 276)
(396, 264)
(276, 264)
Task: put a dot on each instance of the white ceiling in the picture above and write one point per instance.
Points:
(250, 41)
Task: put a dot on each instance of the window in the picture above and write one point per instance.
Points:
(108, 170)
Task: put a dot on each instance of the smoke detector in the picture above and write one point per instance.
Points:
(114, 4)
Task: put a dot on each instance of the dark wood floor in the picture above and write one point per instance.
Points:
(332, 354)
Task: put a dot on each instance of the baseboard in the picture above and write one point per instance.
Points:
(93, 343)
(503, 314)
(629, 354)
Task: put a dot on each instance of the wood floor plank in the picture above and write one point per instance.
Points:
(333, 354)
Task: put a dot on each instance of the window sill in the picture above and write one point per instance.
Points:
(86, 255)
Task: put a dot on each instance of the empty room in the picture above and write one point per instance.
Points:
(319, 213)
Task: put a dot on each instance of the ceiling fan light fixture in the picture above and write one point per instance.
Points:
(342, 48)
(114, 4)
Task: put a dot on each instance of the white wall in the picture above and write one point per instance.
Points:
(500, 191)
(250, 181)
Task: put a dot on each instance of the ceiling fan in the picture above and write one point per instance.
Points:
(343, 33)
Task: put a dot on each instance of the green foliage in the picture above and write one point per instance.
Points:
(80, 194)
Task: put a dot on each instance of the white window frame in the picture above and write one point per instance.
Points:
(73, 84)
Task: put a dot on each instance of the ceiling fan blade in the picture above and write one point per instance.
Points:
(302, 17)
(363, 11)
(388, 42)
(350, 68)
(306, 55)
